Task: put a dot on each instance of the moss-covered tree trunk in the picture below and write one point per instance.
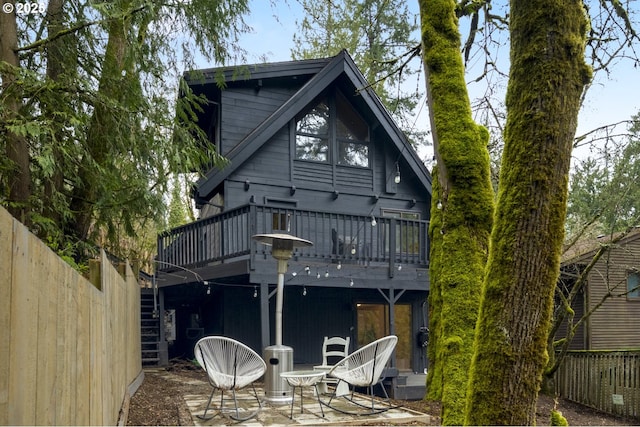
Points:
(434, 372)
(462, 209)
(547, 77)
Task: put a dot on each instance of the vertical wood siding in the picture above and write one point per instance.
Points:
(69, 349)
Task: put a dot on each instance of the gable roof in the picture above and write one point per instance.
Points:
(330, 70)
(584, 250)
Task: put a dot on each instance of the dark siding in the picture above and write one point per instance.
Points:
(310, 172)
(243, 109)
(307, 319)
(271, 170)
(331, 312)
(242, 316)
(269, 164)
(354, 177)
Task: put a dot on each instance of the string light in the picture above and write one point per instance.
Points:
(326, 273)
(396, 179)
(304, 291)
(399, 267)
(351, 282)
(308, 270)
(339, 266)
(294, 274)
(353, 250)
(373, 221)
(208, 290)
(318, 275)
(439, 205)
(255, 292)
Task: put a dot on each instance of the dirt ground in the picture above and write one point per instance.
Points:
(160, 402)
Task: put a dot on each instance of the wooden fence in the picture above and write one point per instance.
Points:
(606, 380)
(69, 349)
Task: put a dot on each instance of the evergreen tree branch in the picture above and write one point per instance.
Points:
(78, 27)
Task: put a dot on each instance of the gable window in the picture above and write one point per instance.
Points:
(633, 284)
(352, 134)
(333, 119)
(312, 134)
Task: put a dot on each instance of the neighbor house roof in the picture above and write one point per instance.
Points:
(325, 72)
(583, 250)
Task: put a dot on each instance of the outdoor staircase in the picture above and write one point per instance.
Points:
(149, 330)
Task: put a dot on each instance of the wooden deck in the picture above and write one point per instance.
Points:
(221, 245)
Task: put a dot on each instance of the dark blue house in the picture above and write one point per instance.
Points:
(312, 152)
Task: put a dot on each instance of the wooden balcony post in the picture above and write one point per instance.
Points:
(392, 247)
(253, 230)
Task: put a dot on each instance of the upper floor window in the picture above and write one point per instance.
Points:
(333, 115)
(633, 284)
(353, 135)
(312, 134)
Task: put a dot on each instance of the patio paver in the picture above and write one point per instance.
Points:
(278, 414)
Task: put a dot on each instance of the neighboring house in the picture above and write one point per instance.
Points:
(613, 325)
(315, 154)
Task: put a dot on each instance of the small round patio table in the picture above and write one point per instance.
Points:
(303, 379)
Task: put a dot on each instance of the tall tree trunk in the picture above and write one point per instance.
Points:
(17, 148)
(105, 130)
(547, 77)
(464, 207)
(56, 61)
(434, 373)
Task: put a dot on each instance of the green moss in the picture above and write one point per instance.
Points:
(460, 229)
(557, 419)
(434, 372)
(546, 78)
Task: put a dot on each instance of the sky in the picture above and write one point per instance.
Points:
(609, 100)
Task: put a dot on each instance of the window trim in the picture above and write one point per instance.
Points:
(333, 139)
(385, 213)
(322, 98)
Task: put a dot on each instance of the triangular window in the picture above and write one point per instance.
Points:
(333, 115)
(352, 134)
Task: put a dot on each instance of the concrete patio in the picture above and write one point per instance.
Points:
(278, 414)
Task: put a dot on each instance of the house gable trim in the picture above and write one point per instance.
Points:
(388, 124)
(340, 64)
(272, 124)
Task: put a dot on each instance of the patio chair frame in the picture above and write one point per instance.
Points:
(364, 368)
(230, 365)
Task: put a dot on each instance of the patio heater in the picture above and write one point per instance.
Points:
(279, 357)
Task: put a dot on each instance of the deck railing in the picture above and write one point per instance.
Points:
(337, 237)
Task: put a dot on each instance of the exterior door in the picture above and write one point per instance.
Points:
(373, 323)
